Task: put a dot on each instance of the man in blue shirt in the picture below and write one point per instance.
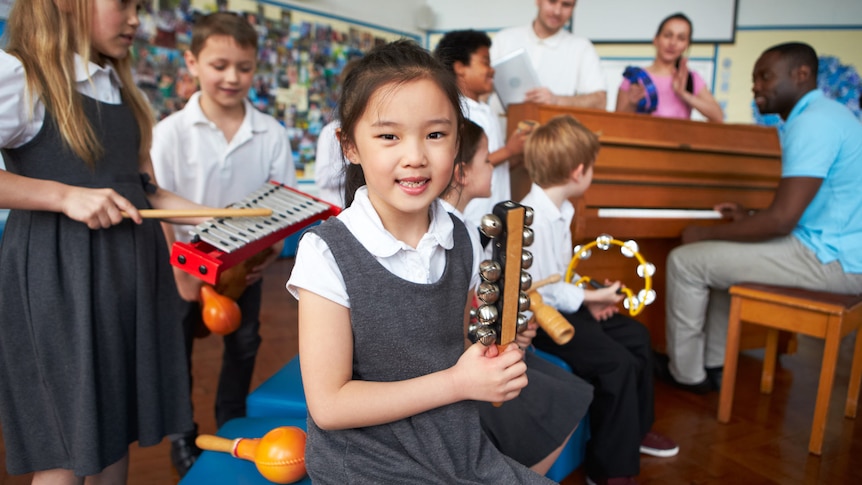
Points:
(808, 237)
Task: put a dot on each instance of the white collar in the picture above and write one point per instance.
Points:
(84, 72)
(380, 242)
(251, 118)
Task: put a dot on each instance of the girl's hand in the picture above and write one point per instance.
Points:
(486, 374)
(680, 78)
(97, 208)
(635, 94)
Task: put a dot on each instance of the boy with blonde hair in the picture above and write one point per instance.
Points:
(610, 351)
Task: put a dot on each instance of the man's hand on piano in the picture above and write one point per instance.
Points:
(732, 211)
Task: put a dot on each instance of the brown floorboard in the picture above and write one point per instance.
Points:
(765, 443)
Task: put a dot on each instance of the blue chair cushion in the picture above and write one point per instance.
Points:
(218, 467)
(281, 395)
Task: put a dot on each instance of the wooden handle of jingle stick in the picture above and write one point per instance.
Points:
(210, 213)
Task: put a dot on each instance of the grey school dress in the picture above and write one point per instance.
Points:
(91, 355)
(403, 330)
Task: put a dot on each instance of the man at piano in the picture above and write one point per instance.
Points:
(810, 236)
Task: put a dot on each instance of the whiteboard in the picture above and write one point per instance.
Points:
(614, 21)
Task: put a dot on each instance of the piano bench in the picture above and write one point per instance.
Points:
(573, 454)
(220, 467)
(282, 395)
(823, 315)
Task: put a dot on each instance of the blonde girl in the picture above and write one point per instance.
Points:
(91, 361)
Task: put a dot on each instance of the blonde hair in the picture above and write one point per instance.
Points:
(557, 148)
(45, 35)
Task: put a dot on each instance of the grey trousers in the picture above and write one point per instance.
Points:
(699, 275)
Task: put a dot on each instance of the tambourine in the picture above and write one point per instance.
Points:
(634, 303)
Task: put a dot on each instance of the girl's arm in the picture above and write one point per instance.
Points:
(97, 208)
(336, 401)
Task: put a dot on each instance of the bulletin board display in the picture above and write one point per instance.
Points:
(300, 58)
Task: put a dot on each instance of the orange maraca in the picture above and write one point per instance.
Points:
(220, 313)
(279, 456)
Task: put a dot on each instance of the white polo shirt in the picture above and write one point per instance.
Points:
(192, 158)
(566, 64)
(483, 115)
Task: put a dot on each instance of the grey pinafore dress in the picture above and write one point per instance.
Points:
(403, 330)
(91, 354)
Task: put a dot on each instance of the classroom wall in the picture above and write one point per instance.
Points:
(832, 27)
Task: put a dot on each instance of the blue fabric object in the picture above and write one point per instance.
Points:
(218, 467)
(636, 75)
(282, 395)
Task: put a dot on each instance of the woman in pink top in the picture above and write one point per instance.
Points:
(678, 90)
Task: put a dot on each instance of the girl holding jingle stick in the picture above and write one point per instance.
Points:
(383, 291)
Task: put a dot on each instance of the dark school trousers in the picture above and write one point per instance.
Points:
(240, 352)
(615, 356)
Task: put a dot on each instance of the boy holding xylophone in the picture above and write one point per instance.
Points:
(216, 151)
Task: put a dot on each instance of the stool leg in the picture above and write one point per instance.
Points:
(731, 357)
(855, 378)
(827, 379)
(767, 378)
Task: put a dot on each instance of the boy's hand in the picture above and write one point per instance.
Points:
(602, 311)
(486, 374)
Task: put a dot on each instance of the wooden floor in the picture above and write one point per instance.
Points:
(765, 443)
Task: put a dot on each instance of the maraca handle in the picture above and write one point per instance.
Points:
(215, 443)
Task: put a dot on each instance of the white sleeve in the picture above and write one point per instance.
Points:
(17, 126)
(591, 78)
(162, 157)
(328, 159)
(282, 169)
(315, 270)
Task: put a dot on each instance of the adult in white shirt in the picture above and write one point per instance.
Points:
(568, 66)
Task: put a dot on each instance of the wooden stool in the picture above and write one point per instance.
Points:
(827, 316)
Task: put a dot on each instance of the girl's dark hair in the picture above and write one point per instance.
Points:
(471, 135)
(393, 64)
(677, 16)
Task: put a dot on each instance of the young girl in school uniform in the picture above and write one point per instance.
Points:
(91, 358)
(382, 294)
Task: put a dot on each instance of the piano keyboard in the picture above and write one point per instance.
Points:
(612, 213)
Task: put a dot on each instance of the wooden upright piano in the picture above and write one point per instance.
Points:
(653, 177)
